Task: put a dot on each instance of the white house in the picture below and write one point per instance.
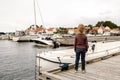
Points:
(100, 30)
(71, 31)
(107, 30)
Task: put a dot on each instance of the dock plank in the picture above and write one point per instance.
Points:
(108, 69)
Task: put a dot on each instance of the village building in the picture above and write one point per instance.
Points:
(101, 30)
(50, 30)
(115, 32)
(71, 31)
(107, 30)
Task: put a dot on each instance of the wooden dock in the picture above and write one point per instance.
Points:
(103, 68)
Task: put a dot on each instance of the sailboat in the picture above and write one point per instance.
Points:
(44, 39)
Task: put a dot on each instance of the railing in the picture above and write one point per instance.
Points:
(116, 49)
(37, 67)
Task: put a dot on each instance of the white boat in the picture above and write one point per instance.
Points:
(4, 37)
(68, 55)
(43, 41)
(46, 42)
(24, 38)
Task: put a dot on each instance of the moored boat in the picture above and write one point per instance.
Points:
(46, 42)
(68, 55)
(65, 39)
(24, 38)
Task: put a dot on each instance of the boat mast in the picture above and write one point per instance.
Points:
(35, 26)
(34, 12)
(40, 14)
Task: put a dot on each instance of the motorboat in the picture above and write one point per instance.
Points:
(66, 56)
(24, 38)
(46, 42)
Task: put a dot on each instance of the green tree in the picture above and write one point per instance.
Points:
(107, 23)
(110, 24)
(91, 26)
(62, 30)
(99, 23)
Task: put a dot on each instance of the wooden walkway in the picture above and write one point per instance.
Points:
(108, 69)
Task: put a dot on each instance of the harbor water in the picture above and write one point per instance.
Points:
(17, 60)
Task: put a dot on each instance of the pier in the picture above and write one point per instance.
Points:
(108, 69)
(101, 66)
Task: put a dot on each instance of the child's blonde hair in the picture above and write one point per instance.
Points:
(81, 29)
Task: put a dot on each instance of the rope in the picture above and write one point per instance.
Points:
(40, 14)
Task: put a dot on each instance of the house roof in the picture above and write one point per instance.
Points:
(50, 29)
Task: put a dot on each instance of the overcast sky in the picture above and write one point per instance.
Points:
(19, 14)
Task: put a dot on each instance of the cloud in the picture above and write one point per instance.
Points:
(105, 13)
(58, 12)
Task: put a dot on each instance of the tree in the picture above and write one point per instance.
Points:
(107, 23)
(41, 26)
(91, 26)
(99, 23)
(31, 26)
(110, 24)
(37, 26)
(62, 30)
